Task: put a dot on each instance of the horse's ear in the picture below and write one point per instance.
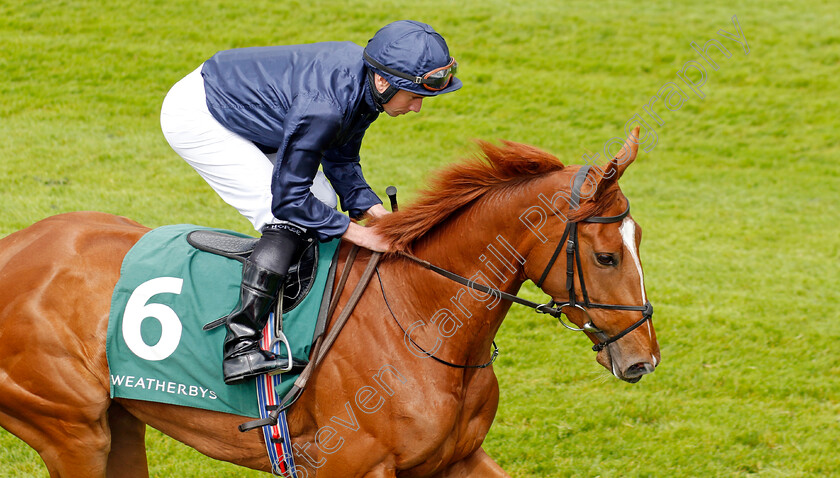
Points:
(617, 165)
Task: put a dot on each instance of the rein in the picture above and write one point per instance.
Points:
(569, 240)
(431, 354)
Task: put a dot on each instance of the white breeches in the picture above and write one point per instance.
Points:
(232, 165)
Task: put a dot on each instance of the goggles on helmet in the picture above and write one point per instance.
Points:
(434, 80)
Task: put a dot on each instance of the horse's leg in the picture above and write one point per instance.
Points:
(72, 436)
(71, 449)
(55, 283)
(51, 402)
(479, 464)
(128, 444)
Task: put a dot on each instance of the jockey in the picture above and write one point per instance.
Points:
(257, 123)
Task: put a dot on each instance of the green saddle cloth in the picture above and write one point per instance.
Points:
(156, 348)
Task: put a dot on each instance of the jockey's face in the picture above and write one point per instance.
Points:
(403, 102)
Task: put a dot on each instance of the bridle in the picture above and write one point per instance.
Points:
(569, 240)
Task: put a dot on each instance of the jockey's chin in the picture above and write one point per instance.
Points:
(403, 102)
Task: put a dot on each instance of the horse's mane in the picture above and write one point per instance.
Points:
(454, 187)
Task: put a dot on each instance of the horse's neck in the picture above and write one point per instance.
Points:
(482, 246)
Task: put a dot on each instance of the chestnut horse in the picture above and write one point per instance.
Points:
(377, 406)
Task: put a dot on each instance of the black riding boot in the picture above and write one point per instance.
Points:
(263, 275)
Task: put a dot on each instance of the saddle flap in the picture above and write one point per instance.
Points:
(300, 276)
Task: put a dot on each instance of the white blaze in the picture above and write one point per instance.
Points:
(628, 236)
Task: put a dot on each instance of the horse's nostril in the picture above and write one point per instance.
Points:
(639, 369)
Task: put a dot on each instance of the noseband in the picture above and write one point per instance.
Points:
(570, 241)
(553, 308)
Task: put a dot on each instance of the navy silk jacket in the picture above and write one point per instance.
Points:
(313, 104)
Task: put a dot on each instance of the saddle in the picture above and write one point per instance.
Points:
(298, 281)
(162, 261)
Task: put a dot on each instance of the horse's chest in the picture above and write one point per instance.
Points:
(439, 430)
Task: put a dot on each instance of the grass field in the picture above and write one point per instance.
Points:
(738, 199)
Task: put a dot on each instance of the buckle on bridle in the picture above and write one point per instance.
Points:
(549, 308)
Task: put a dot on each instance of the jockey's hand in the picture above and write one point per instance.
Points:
(376, 211)
(366, 237)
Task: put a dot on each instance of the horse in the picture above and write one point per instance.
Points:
(381, 404)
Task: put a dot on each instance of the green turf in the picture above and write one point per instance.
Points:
(738, 200)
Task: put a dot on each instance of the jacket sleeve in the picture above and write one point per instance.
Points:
(310, 127)
(342, 168)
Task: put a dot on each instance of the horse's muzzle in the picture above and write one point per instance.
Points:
(636, 371)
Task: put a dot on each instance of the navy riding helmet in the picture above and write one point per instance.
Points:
(412, 56)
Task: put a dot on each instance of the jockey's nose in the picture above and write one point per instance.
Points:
(416, 105)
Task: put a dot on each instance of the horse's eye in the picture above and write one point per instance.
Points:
(606, 259)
